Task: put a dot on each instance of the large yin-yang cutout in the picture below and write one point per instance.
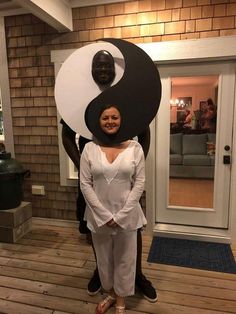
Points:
(137, 95)
(75, 87)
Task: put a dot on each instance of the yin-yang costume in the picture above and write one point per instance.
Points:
(137, 99)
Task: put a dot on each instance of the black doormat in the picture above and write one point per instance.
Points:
(193, 254)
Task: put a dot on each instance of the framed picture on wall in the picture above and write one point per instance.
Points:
(184, 103)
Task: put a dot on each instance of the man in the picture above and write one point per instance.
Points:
(103, 72)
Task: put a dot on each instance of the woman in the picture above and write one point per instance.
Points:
(209, 117)
(112, 181)
(188, 119)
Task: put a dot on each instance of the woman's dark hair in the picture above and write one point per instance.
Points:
(107, 106)
(210, 103)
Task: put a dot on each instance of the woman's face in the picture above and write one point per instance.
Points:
(110, 120)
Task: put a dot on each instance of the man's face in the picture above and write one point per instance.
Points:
(103, 69)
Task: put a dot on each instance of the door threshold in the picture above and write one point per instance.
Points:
(192, 233)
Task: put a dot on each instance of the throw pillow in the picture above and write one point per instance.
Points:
(211, 147)
(194, 144)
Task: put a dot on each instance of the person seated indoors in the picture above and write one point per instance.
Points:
(188, 119)
(103, 72)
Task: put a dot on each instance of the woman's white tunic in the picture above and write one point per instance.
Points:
(112, 190)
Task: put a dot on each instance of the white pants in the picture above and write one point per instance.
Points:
(116, 260)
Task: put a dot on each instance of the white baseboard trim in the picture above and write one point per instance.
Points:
(192, 233)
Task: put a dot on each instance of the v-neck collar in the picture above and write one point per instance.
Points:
(117, 157)
(110, 170)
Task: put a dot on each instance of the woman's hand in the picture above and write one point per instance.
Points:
(112, 223)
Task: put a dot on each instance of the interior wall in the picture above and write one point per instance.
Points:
(29, 42)
(197, 93)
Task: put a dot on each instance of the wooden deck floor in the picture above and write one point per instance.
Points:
(47, 271)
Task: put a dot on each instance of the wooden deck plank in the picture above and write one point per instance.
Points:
(15, 307)
(47, 271)
(46, 301)
(47, 251)
(41, 257)
(55, 245)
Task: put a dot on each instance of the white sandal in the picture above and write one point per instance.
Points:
(105, 304)
(120, 309)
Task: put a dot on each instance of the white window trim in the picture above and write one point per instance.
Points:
(68, 175)
(5, 93)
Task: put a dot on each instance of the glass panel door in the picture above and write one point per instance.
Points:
(193, 112)
(193, 144)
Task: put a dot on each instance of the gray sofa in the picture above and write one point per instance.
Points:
(191, 155)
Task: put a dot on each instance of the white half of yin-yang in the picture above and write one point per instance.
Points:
(75, 87)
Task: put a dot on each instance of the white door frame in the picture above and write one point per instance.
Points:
(188, 51)
(217, 216)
